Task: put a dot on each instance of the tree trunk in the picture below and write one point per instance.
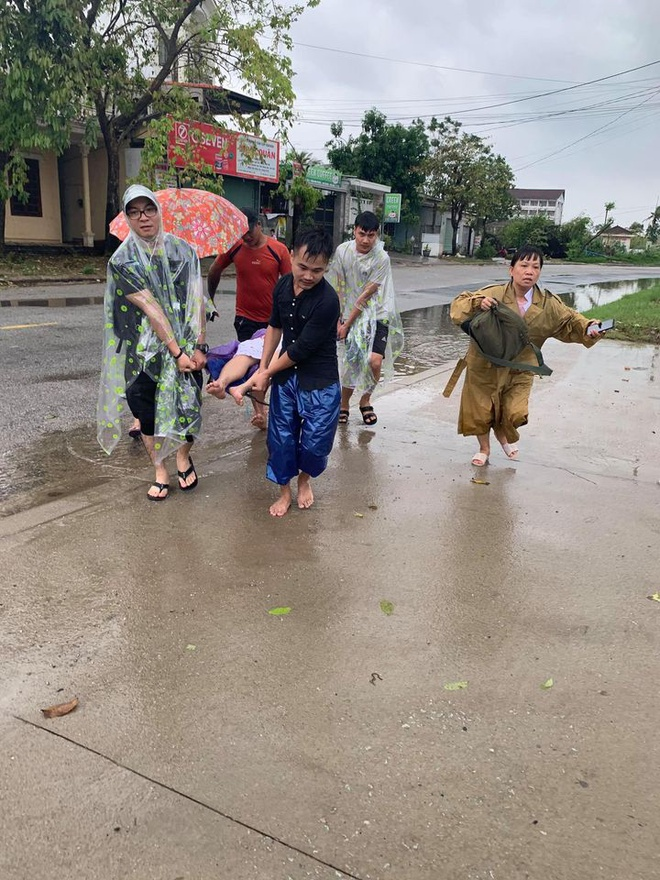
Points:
(4, 161)
(454, 237)
(113, 201)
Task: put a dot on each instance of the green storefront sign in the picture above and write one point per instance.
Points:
(321, 174)
(392, 208)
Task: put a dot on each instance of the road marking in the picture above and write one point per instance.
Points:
(27, 326)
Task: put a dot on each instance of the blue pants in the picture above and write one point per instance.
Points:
(301, 429)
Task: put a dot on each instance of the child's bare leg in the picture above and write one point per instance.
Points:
(232, 371)
(238, 392)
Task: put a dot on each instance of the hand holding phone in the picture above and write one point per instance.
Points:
(607, 325)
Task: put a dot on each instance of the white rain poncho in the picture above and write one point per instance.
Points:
(349, 273)
(166, 272)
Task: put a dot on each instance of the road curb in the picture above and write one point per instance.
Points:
(51, 301)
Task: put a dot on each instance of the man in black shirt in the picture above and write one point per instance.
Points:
(305, 397)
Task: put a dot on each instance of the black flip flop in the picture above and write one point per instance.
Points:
(343, 416)
(160, 487)
(183, 475)
(369, 417)
(135, 433)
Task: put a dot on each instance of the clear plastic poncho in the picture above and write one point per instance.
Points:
(166, 272)
(349, 273)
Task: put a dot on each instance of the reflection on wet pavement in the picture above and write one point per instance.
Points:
(430, 340)
(60, 463)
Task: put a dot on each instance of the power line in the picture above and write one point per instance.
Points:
(424, 64)
(584, 137)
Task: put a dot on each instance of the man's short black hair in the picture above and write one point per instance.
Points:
(368, 221)
(316, 242)
(252, 217)
(527, 251)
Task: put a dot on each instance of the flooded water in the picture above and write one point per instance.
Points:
(431, 340)
(588, 296)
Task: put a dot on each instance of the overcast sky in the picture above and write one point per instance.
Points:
(517, 50)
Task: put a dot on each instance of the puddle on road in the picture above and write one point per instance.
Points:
(64, 462)
(588, 296)
(431, 340)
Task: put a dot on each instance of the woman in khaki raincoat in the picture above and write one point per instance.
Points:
(497, 398)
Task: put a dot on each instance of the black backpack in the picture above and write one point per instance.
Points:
(501, 334)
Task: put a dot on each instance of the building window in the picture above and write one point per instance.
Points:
(31, 207)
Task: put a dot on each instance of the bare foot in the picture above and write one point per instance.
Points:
(217, 390)
(237, 393)
(305, 494)
(259, 421)
(283, 503)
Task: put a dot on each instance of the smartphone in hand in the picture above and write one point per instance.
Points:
(609, 324)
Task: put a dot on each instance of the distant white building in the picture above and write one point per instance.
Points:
(540, 203)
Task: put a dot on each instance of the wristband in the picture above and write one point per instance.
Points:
(177, 356)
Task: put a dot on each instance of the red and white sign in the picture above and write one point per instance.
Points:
(227, 152)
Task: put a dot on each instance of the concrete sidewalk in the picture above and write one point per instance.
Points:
(215, 740)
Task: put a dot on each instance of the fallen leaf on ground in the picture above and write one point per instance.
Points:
(456, 686)
(655, 597)
(60, 709)
(278, 612)
(547, 684)
(480, 482)
(191, 647)
(373, 507)
(387, 607)
(360, 515)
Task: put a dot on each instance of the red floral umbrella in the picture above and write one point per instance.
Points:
(205, 220)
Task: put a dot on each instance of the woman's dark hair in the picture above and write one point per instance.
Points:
(368, 221)
(316, 242)
(527, 251)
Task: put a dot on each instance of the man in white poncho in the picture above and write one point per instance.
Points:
(153, 342)
(370, 333)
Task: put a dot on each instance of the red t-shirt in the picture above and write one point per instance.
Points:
(257, 272)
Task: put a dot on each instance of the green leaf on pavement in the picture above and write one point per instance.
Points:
(386, 607)
(655, 597)
(278, 612)
(547, 684)
(191, 647)
(456, 686)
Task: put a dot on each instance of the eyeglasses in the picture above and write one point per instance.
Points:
(136, 213)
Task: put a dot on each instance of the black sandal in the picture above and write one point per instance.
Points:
(161, 487)
(343, 416)
(369, 417)
(183, 475)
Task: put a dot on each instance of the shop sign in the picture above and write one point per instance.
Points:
(229, 153)
(321, 174)
(392, 208)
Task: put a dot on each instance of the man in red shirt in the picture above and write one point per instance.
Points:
(260, 261)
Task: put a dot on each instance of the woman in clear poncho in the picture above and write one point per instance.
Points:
(154, 323)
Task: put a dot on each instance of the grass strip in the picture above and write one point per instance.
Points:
(637, 316)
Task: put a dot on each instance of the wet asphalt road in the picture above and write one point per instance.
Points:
(50, 356)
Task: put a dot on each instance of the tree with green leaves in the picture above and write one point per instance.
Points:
(134, 49)
(527, 230)
(296, 188)
(40, 84)
(653, 228)
(492, 199)
(391, 154)
(470, 180)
